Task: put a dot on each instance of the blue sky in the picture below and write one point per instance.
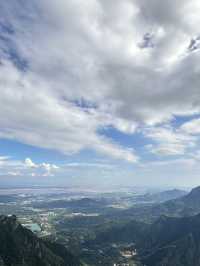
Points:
(99, 92)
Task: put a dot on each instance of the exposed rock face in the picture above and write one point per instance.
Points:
(20, 247)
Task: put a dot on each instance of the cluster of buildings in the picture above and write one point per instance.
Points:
(128, 252)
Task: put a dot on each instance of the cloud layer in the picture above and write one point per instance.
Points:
(72, 68)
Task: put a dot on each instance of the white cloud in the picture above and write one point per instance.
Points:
(4, 158)
(14, 173)
(44, 169)
(89, 52)
(169, 141)
(68, 127)
(192, 127)
(89, 165)
(11, 167)
(30, 163)
(186, 162)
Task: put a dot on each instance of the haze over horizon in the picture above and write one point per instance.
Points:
(100, 93)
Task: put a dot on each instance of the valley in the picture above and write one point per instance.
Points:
(107, 229)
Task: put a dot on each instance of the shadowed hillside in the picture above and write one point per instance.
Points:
(20, 247)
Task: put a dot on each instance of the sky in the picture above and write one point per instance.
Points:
(100, 92)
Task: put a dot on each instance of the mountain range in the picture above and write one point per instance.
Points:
(173, 239)
(167, 234)
(161, 196)
(186, 205)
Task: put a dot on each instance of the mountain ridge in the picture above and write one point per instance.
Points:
(187, 205)
(20, 247)
(172, 241)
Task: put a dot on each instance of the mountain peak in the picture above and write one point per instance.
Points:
(195, 191)
(9, 222)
